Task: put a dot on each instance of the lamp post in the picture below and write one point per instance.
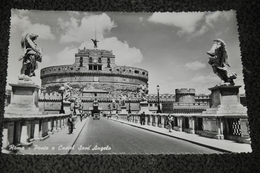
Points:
(44, 93)
(158, 95)
(62, 89)
(129, 111)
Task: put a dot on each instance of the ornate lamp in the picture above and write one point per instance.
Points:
(158, 95)
(62, 89)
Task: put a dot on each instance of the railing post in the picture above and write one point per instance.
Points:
(180, 123)
(146, 119)
(55, 125)
(156, 120)
(58, 123)
(162, 121)
(18, 130)
(220, 128)
(25, 133)
(36, 130)
(192, 123)
(8, 134)
(50, 126)
(44, 129)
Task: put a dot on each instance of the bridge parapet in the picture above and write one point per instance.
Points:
(232, 127)
(22, 130)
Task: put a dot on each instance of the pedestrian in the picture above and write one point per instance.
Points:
(142, 118)
(170, 120)
(74, 119)
(70, 124)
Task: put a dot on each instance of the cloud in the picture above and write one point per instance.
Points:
(215, 16)
(196, 65)
(66, 56)
(186, 22)
(76, 30)
(23, 24)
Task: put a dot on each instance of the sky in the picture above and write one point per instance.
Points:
(170, 46)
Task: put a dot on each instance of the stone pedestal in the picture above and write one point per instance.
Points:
(123, 110)
(225, 104)
(144, 108)
(24, 103)
(24, 100)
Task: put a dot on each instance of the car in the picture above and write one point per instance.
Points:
(96, 116)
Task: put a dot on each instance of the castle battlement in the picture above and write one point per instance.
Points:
(185, 91)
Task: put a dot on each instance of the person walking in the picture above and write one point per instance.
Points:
(170, 120)
(70, 124)
(142, 118)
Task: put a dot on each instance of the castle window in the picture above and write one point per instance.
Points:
(143, 73)
(99, 60)
(108, 60)
(90, 60)
(81, 62)
(90, 67)
(136, 71)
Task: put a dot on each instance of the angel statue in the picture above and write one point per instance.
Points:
(219, 61)
(31, 55)
(123, 98)
(143, 91)
(67, 91)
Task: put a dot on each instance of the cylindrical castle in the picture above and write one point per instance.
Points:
(94, 69)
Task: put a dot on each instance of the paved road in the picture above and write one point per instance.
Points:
(109, 137)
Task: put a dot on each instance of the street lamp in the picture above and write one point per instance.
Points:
(62, 89)
(159, 109)
(44, 93)
(129, 111)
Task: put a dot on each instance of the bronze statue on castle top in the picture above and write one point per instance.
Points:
(95, 42)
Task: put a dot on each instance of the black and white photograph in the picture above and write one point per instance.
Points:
(124, 83)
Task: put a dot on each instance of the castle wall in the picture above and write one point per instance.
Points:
(185, 95)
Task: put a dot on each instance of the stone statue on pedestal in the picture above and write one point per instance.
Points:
(123, 98)
(31, 55)
(219, 61)
(143, 91)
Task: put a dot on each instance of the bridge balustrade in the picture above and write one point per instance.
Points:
(22, 130)
(236, 129)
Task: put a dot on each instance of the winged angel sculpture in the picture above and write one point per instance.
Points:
(219, 61)
(31, 55)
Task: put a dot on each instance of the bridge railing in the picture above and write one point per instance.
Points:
(22, 130)
(226, 127)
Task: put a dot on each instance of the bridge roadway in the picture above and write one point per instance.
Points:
(106, 136)
(109, 137)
